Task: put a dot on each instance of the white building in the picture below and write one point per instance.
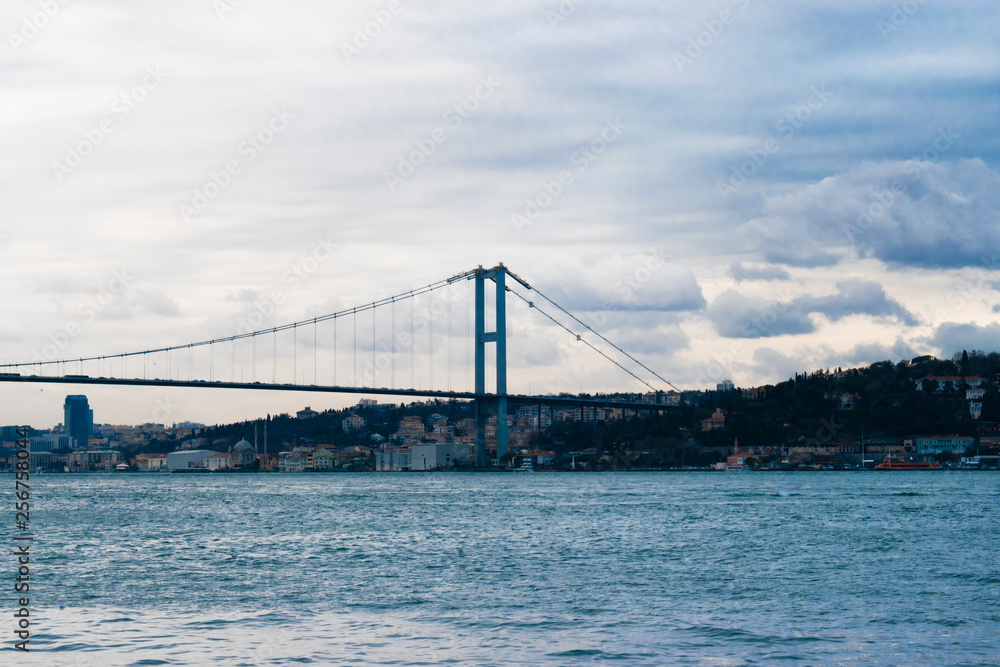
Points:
(434, 455)
(217, 461)
(188, 459)
(155, 464)
(291, 462)
(393, 460)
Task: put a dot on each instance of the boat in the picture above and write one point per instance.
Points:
(900, 463)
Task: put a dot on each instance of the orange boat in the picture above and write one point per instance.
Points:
(900, 463)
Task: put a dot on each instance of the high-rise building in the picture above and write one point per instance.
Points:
(78, 420)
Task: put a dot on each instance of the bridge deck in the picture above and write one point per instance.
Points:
(383, 391)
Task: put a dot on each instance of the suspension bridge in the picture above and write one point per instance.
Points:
(407, 335)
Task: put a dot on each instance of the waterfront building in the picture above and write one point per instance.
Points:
(268, 462)
(217, 461)
(539, 457)
(157, 463)
(241, 455)
(393, 459)
(99, 458)
(291, 462)
(322, 459)
(188, 459)
(434, 455)
(938, 444)
(988, 433)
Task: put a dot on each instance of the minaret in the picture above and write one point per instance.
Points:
(256, 452)
(736, 446)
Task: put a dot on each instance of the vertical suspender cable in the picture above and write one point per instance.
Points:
(468, 340)
(448, 335)
(392, 343)
(413, 343)
(430, 340)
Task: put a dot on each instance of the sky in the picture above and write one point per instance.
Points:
(734, 189)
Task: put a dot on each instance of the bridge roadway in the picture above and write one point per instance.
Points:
(380, 391)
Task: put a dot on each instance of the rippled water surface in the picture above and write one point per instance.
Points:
(526, 568)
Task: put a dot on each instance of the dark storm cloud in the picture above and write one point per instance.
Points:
(952, 337)
(903, 213)
(738, 316)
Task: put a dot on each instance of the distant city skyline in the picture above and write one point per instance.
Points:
(725, 189)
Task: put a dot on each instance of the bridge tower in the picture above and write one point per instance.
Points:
(491, 406)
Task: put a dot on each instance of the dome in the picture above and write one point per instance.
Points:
(242, 444)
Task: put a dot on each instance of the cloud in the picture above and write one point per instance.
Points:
(737, 316)
(155, 302)
(620, 283)
(856, 297)
(769, 363)
(904, 213)
(868, 353)
(952, 337)
(740, 272)
(778, 366)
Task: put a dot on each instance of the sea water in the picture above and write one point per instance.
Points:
(825, 568)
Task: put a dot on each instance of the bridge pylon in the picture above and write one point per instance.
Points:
(485, 407)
